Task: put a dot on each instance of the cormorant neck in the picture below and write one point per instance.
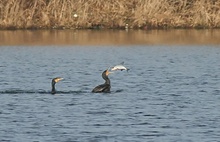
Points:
(53, 91)
(105, 77)
(107, 80)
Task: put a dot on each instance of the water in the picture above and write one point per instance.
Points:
(170, 94)
(110, 37)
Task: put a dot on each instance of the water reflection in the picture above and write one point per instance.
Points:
(108, 37)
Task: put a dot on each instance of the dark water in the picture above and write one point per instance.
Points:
(170, 94)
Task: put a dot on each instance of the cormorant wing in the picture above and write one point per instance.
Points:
(102, 88)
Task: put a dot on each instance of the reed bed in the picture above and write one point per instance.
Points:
(96, 14)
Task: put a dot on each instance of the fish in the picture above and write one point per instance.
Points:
(120, 67)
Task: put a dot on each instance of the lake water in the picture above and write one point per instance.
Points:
(171, 92)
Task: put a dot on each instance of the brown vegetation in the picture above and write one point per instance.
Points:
(143, 14)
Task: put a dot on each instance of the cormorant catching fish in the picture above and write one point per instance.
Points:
(103, 88)
(54, 81)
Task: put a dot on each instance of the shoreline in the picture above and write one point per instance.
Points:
(109, 28)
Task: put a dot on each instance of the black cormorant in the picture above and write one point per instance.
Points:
(103, 88)
(54, 81)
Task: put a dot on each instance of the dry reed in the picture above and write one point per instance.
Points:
(144, 14)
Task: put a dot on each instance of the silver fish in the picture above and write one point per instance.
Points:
(120, 67)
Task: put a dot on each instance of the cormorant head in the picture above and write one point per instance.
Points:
(57, 79)
(106, 73)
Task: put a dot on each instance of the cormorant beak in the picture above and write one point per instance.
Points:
(110, 69)
(58, 79)
(108, 72)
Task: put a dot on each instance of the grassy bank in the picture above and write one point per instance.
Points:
(145, 14)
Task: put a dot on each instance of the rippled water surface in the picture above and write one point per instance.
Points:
(170, 94)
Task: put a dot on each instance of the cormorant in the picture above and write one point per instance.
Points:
(54, 81)
(103, 88)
